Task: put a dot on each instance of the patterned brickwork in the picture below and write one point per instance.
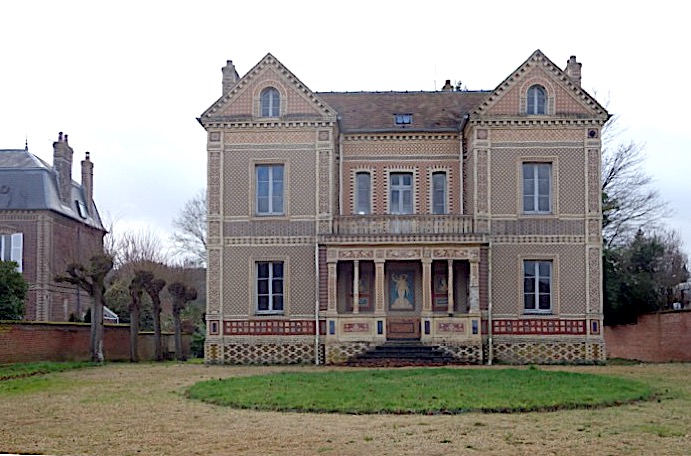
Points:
(268, 327)
(594, 279)
(269, 227)
(400, 146)
(269, 351)
(214, 182)
(213, 289)
(541, 351)
(545, 135)
(470, 353)
(539, 227)
(340, 352)
(594, 189)
(483, 178)
(569, 284)
(533, 326)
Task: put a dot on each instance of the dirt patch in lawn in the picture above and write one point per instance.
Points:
(123, 409)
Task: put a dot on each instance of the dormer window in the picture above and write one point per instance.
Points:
(536, 100)
(270, 102)
(81, 209)
(403, 119)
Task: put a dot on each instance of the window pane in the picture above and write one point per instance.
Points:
(263, 173)
(545, 303)
(263, 270)
(278, 303)
(263, 303)
(407, 202)
(529, 301)
(277, 173)
(544, 285)
(263, 286)
(395, 179)
(277, 286)
(529, 285)
(543, 204)
(545, 269)
(363, 193)
(263, 188)
(277, 270)
(528, 203)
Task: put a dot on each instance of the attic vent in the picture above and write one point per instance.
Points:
(403, 119)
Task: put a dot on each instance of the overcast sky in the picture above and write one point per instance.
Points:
(127, 80)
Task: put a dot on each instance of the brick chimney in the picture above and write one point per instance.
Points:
(88, 181)
(573, 70)
(230, 76)
(447, 86)
(62, 163)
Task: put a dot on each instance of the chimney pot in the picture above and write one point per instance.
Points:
(573, 70)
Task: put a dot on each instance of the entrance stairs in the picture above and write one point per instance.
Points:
(403, 353)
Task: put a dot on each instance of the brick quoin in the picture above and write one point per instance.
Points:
(660, 337)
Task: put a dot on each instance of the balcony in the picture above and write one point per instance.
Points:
(425, 225)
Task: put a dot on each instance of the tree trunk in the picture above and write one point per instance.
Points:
(97, 326)
(158, 346)
(134, 335)
(179, 355)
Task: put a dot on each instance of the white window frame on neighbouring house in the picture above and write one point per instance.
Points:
(536, 100)
(11, 248)
(270, 102)
(537, 286)
(439, 192)
(269, 189)
(401, 193)
(537, 187)
(363, 193)
(270, 287)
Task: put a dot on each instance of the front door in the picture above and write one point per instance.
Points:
(403, 328)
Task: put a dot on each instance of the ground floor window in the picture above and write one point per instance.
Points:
(270, 287)
(11, 246)
(537, 286)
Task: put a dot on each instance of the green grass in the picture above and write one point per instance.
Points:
(29, 377)
(421, 391)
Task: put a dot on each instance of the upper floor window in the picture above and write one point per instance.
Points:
(269, 184)
(537, 286)
(401, 193)
(537, 187)
(363, 188)
(269, 287)
(439, 193)
(403, 119)
(270, 102)
(11, 246)
(536, 100)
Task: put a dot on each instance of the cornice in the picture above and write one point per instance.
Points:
(218, 123)
(402, 136)
(530, 121)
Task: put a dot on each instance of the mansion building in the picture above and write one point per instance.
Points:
(464, 220)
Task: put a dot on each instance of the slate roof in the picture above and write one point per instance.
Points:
(29, 183)
(374, 111)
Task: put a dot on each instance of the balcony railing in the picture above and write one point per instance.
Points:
(402, 224)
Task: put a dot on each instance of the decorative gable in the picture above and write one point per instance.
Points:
(242, 100)
(563, 96)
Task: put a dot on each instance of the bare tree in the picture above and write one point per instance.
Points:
(191, 231)
(153, 288)
(139, 281)
(91, 278)
(182, 294)
(629, 202)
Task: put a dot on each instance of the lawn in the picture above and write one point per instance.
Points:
(421, 391)
(125, 409)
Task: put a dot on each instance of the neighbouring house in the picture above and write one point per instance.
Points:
(466, 220)
(47, 221)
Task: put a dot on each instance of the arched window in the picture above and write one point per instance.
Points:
(536, 100)
(270, 102)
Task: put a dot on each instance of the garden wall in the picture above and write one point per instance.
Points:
(34, 341)
(659, 337)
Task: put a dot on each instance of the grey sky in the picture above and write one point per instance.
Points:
(127, 80)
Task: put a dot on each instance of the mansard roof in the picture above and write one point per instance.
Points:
(375, 111)
(29, 183)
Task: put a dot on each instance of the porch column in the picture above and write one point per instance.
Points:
(379, 285)
(450, 282)
(426, 284)
(474, 288)
(356, 286)
(332, 286)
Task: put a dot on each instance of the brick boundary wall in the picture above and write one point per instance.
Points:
(32, 341)
(659, 337)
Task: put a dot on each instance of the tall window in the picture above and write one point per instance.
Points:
(271, 102)
(401, 193)
(537, 286)
(11, 246)
(536, 100)
(537, 188)
(363, 193)
(269, 180)
(270, 287)
(439, 193)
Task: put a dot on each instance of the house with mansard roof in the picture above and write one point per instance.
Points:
(464, 220)
(47, 220)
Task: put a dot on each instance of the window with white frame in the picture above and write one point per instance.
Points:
(269, 287)
(269, 188)
(439, 193)
(363, 189)
(401, 193)
(537, 98)
(537, 286)
(537, 188)
(270, 102)
(11, 247)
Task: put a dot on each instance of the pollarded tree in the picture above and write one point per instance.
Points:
(91, 278)
(182, 294)
(136, 288)
(153, 288)
(13, 290)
